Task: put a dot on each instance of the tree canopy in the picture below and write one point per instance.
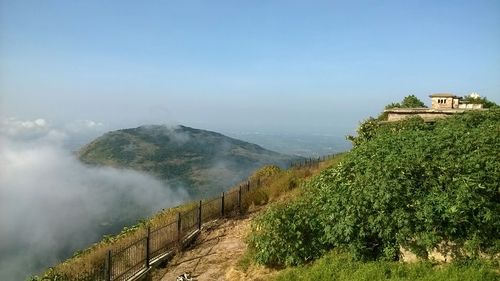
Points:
(480, 100)
(410, 101)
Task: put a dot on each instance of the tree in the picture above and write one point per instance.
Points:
(412, 101)
(476, 99)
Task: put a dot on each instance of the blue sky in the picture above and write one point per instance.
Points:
(268, 66)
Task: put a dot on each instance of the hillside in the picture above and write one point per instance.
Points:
(349, 217)
(427, 188)
(203, 162)
(411, 191)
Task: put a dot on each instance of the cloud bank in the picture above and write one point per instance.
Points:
(51, 204)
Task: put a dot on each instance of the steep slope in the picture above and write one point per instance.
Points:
(201, 161)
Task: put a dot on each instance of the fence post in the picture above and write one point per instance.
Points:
(148, 246)
(179, 235)
(222, 205)
(258, 182)
(239, 198)
(108, 266)
(199, 216)
(248, 186)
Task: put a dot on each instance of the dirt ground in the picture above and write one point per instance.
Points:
(215, 254)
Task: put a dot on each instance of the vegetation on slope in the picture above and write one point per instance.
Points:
(407, 184)
(274, 181)
(203, 162)
(340, 266)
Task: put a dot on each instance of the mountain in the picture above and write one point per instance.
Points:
(202, 162)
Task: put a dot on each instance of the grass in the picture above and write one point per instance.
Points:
(338, 265)
(245, 261)
(86, 260)
(282, 184)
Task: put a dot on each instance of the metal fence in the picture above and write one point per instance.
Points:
(137, 257)
(310, 162)
(163, 239)
(126, 262)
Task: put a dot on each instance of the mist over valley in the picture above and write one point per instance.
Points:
(203, 162)
(55, 201)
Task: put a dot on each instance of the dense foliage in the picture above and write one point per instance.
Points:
(288, 234)
(410, 101)
(406, 184)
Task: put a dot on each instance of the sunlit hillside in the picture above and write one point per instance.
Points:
(202, 162)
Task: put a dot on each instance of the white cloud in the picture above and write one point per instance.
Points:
(71, 135)
(50, 203)
(79, 125)
(22, 128)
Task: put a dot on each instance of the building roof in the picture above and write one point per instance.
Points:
(423, 110)
(443, 95)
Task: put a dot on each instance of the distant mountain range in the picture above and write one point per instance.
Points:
(305, 145)
(202, 162)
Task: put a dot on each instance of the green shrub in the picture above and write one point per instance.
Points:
(412, 184)
(265, 172)
(287, 234)
(257, 197)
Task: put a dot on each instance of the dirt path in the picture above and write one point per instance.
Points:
(214, 255)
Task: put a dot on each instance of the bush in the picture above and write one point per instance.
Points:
(256, 197)
(265, 172)
(287, 234)
(409, 184)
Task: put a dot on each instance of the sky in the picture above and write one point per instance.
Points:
(311, 67)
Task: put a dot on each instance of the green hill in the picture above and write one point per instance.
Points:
(203, 162)
(411, 184)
